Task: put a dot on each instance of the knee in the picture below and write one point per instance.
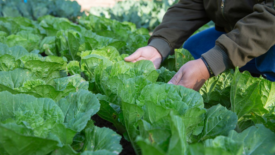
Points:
(188, 44)
(192, 46)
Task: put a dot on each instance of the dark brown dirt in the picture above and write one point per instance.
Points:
(126, 145)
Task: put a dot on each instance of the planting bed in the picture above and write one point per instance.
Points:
(56, 75)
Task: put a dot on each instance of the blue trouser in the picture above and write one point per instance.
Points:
(205, 40)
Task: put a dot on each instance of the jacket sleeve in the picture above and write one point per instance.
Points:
(179, 23)
(251, 37)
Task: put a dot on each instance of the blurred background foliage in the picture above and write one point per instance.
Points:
(34, 9)
(143, 13)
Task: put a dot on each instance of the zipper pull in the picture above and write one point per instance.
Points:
(222, 4)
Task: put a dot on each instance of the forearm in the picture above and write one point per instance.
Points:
(252, 37)
(179, 23)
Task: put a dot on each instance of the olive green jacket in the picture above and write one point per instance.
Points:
(250, 27)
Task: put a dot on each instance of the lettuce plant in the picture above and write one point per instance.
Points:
(32, 125)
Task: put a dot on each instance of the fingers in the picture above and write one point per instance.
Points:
(133, 57)
(138, 59)
(176, 78)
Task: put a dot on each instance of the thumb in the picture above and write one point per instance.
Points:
(176, 78)
(172, 81)
(133, 56)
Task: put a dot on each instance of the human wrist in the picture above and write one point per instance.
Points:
(155, 51)
(161, 46)
(217, 59)
(210, 72)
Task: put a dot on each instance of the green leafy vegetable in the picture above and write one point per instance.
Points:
(216, 90)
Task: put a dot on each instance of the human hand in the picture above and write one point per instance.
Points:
(146, 53)
(191, 75)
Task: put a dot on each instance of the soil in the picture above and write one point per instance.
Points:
(126, 145)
